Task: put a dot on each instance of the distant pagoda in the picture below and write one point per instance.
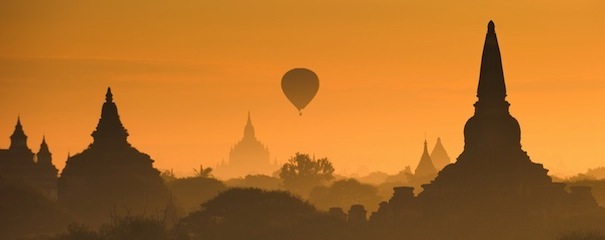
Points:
(492, 157)
(19, 163)
(425, 171)
(248, 156)
(111, 175)
(493, 190)
(439, 155)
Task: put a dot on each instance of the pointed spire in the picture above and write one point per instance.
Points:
(249, 129)
(425, 166)
(18, 138)
(491, 79)
(439, 155)
(43, 145)
(110, 129)
(44, 156)
(109, 95)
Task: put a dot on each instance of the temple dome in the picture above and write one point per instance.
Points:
(492, 132)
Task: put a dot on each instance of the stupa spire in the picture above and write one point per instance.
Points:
(43, 145)
(108, 95)
(425, 166)
(44, 155)
(18, 138)
(492, 129)
(439, 155)
(249, 129)
(110, 129)
(491, 79)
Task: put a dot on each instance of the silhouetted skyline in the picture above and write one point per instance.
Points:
(390, 71)
(113, 190)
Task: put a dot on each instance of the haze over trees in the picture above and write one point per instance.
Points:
(301, 173)
(189, 192)
(255, 214)
(344, 194)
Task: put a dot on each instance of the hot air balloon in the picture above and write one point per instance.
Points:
(300, 86)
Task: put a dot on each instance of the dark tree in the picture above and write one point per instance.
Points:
(191, 192)
(25, 211)
(344, 193)
(203, 172)
(256, 181)
(301, 173)
(257, 214)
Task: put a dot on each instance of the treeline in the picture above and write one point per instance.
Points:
(24, 213)
(307, 178)
(303, 200)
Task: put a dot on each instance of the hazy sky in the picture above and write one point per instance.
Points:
(185, 73)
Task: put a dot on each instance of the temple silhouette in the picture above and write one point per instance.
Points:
(439, 155)
(248, 156)
(111, 175)
(425, 171)
(19, 163)
(493, 190)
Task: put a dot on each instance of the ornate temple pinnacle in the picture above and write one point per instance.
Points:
(249, 129)
(110, 128)
(108, 95)
(491, 78)
(490, 27)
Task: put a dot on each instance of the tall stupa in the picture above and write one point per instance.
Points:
(110, 175)
(493, 190)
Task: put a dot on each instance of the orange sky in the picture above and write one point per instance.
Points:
(185, 73)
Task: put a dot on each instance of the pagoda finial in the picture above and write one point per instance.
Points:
(109, 95)
(18, 138)
(425, 166)
(491, 78)
(18, 125)
(426, 149)
(43, 146)
(490, 27)
(110, 130)
(249, 129)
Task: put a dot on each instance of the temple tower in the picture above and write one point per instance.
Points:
(425, 168)
(110, 130)
(248, 156)
(492, 160)
(18, 148)
(494, 190)
(47, 172)
(19, 163)
(110, 174)
(439, 155)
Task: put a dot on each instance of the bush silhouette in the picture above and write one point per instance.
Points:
(191, 192)
(343, 194)
(257, 214)
(125, 227)
(24, 211)
(301, 173)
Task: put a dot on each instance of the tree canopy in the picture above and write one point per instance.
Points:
(301, 173)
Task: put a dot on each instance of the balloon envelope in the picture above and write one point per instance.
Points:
(300, 86)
